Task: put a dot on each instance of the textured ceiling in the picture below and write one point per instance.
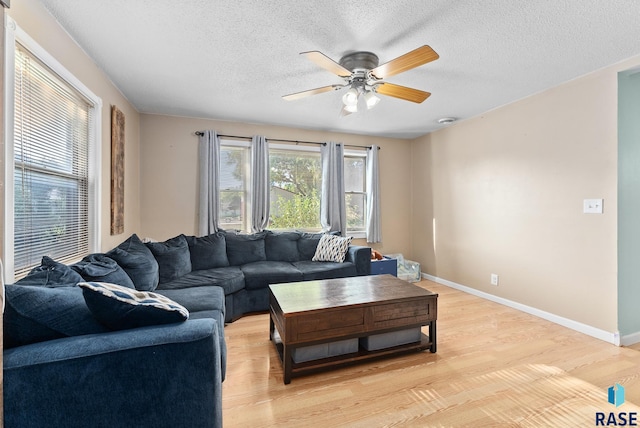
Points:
(233, 60)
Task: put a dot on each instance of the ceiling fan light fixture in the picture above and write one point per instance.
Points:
(350, 98)
(371, 99)
(351, 108)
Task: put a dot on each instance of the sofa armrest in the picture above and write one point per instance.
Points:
(361, 257)
(165, 375)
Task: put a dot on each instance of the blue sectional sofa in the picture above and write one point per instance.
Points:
(66, 366)
(245, 264)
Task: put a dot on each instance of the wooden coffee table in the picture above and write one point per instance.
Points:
(317, 312)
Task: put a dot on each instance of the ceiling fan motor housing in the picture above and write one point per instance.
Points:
(357, 61)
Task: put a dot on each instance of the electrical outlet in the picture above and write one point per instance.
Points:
(494, 279)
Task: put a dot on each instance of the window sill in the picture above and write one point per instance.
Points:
(357, 235)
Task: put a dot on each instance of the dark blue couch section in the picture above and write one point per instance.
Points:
(166, 375)
(157, 376)
(253, 261)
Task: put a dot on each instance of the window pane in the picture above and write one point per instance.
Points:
(356, 208)
(295, 190)
(354, 174)
(234, 178)
(51, 167)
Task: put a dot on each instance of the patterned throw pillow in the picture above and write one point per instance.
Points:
(332, 248)
(120, 308)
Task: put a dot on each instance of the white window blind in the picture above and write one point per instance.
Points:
(51, 166)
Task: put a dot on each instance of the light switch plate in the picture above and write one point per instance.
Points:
(592, 206)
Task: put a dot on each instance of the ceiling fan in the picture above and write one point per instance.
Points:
(365, 78)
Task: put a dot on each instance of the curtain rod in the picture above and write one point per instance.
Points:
(200, 133)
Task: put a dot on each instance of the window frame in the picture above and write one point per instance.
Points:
(365, 193)
(247, 209)
(14, 34)
(300, 148)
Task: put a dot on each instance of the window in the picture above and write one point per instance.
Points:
(51, 180)
(355, 192)
(295, 189)
(234, 186)
(296, 182)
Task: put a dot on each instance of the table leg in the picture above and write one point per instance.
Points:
(432, 336)
(287, 361)
(271, 327)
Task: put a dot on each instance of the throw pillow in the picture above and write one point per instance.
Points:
(208, 252)
(332, 248)
(282, 246)
(36, 314)
(99, 267)
(121, 308)
(138, 262)
(50, 273)
(172, 256)
(245, 248)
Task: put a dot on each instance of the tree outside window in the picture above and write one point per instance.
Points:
(295, 190)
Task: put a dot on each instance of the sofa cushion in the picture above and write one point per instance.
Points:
(230, 279)
(99, 267)
(35, 314)
(307, 244)
(282, 246)
(173, 257)
(120, 308)
(203, 302)
(138, 262)
(332, 248)
(245, 248)
(51, 273)
(197, 299)
(208, 252)
(312, 271)
(259, 275)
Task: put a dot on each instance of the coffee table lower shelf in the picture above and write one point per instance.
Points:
(292, 368)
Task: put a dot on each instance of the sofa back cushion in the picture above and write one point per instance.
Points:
(99, 267)
(307, 244)
(173, 257)
(36, 314)
(138, 262)
(282, 246)
(50, 273)
(208, 252)
(245, 248)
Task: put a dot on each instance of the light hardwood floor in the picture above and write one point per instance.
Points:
(495, 366)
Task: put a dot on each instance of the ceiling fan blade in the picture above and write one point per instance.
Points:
(402, 92)
(303, 94)
(413, 59)
(327, 63)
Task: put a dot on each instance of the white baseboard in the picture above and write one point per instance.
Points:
(630, 339)
(607, 336)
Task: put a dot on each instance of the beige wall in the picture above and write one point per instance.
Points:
(169, 174)
(45, 30)
(505, 191)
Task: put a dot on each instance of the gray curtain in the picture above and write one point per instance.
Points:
(374, 228)
(333, 211)
(260, 184)
(209, 171)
